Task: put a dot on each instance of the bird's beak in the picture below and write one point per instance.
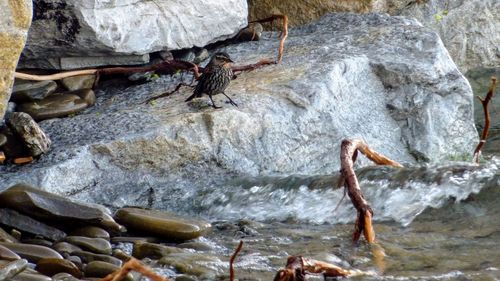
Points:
(229, 60)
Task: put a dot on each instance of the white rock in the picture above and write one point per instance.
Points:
(133, 27)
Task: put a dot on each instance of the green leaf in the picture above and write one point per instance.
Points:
(438, 17)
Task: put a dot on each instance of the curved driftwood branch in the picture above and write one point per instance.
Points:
(231, 261)
(348, 154)
(484, 103)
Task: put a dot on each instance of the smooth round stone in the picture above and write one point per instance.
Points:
(33, 253)
(96, 245)
(90, 257)
(12, 268)
(91, 231)
(198, 246)
(54, 208)
(164, 224)
(150, 250)
(37, 241)
(54, 106)
(130, 239)
(6, 254)
(26, 224)
(101, 269)
(121, 255)
(191, 264)
(76, 260)
(30, 277)
(3, 140)
(63, 276)
(78, 82)
(65, 248)
(32, 91)
(86, 94)
(51, 267)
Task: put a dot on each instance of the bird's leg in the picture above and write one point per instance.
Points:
(230, 100)
(213, 103)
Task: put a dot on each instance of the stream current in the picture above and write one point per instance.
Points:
(432, 222)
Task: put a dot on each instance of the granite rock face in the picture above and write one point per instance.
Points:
(468, 28)
(71, 34)
(387, 80)
(15, 19)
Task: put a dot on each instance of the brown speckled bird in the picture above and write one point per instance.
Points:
(215, 78)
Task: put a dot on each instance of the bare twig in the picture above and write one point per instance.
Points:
(484, 103)
(348, 152)
(135, 265)
(231, 261)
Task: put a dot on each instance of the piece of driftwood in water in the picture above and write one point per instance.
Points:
(487, 120)
(134, 265)
(348, 154)
(231, 261)
(297, 267)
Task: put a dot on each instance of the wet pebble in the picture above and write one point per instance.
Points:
(63, 276)
(65, 248)
(12, 268)
(96, 245)
(164, 224)
(191, 264)
(37, 241)
(32, 91)
(90, 257)
(6, 254)
(51, 207)
(154, 251)
(24, 223)
(101, 269)
(54, 106)
(30, 277)
(78, 82)
(33, 253)
(91, 231)
(51, 267)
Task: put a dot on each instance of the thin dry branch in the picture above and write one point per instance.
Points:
(170, 66)
(134, 265)
(487, 120)
(281, 48)
(348, 156)
(231, 261)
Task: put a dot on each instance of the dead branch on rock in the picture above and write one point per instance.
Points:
(348, 154)
(281, 48)
(298, 267)
(134, 265)
(231, 261)
(484, 103)
(170, 66)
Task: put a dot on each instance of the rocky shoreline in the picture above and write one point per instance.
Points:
(44, 236)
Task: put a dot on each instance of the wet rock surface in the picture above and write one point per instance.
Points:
(96, 245)
(33, 253)
(24, 223)
(162, 224)
(51, 266)
(47, 206)
(10, 269)
(57, 105)
(344, 76)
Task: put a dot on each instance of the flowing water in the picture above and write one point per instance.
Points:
(434, 222)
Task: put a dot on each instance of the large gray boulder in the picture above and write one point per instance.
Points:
(387, 80)
(71, 34)
(15, 19)
(468, 28)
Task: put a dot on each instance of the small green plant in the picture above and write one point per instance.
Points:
(439, 16)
